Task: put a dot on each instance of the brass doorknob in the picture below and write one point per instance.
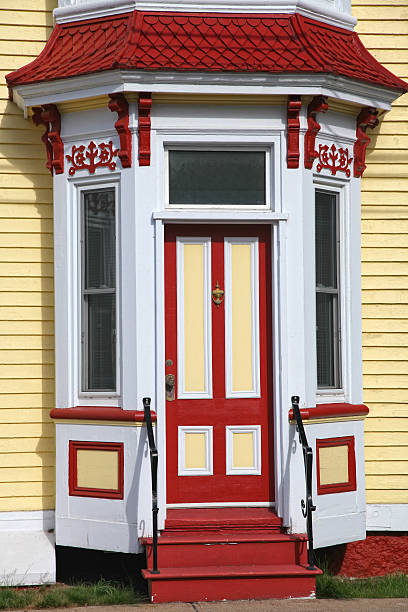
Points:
(170, 387)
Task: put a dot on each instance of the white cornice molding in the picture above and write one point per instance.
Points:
(116, 81)
(103, 8)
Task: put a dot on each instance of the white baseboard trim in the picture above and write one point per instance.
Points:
(387, 517)
(38, 520)
(98, 535)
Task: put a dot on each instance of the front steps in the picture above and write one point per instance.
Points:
(210, 554)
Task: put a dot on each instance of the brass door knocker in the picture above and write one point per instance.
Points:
(217, 295)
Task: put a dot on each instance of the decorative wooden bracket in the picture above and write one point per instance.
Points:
(145, 106)
(293, 153)
(48, 115)
(317, 105)
(118, 104)
(366, 119)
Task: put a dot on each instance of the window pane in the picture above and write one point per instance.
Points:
(217, 177)
(101, 341)
(326, 240)
(325, 340)
(99, 236)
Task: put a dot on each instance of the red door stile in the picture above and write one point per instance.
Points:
(220, 412)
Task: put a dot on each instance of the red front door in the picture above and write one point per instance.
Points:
(218, 354)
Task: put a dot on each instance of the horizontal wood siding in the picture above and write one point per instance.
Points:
(383, 26)
(26, 277)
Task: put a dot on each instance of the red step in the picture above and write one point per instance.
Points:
(210, 554)
(229, 547)
(230, 582)
(217, 518)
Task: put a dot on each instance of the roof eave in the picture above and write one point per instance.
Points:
(226, 83)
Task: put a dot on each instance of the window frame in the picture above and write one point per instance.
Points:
(336, 306)
(341, 189)
(219, 147)
(81, 188)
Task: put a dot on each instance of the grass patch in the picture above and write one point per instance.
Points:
(101, 593)
(378, 587)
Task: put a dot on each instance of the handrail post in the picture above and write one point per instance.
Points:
(307, 506)
(154, 459)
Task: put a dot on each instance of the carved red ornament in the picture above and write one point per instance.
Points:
(333, 159)
(145, 106)
(293, 153)
(98, 156)
(317, 105)
(366, 119)
(48, 115)
(118, 104)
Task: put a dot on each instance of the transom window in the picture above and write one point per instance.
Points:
(218, 178)
(98, 251)
(327, 291)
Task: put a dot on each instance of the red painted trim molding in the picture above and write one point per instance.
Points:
(338, 487)
(118, 104)
(324, 411)
(317, 105)
(366, 119)
(99, 413)
(293, 127)
(74, 489)
(145, 107)
(48, 116)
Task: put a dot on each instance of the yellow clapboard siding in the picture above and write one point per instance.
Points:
(383, 13)
(386, 438)
(380, 170)
(22, 400)
(387, 453)
(384, 353)
(26, 279)
(396, 496)
(20, 313)
(386, 41)
(33, 241)
(11, 18)
(26, 255)
(381, 254)
(27, 445)
(26, 371)
(391, 227)
(27, 298)
(384, 296)
(27, 385)
(16, 504)
(389, 481)
(389, 410)
(386, 367)
(26, 474)
(25, 415)
(381, 325)
(387, 26)
(386, 467)
(28, 460)
(384, 396)
(384, 268)
(384, 240)
(39, 328)
(384, 282)
(391, 339)
(23, 489)
(375, 424)
(29, 357)
(26, 269)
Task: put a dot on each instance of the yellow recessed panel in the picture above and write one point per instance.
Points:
(98, 469)
(195, 450)
(241, 318)
(243, 450)
(333, 462)
(194, 351)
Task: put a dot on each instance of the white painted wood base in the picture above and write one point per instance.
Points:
(387, 517)
(27, 545)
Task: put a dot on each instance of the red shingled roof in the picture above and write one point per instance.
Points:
(204, 42)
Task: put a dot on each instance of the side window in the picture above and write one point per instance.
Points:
(98, 290)
(327, 291)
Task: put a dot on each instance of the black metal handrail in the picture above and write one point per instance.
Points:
(307, 506)
(154, 459)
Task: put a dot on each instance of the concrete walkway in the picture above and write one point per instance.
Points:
(287, 605)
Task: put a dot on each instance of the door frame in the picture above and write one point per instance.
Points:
(277, 221)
